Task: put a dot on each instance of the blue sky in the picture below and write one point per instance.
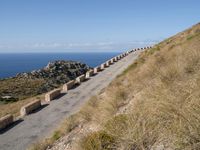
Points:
(91, 25)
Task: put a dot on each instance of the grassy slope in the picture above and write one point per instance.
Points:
(154, 103)
(14, 108)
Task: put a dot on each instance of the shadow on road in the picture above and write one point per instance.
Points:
(36, 110)
(61, 95)
(11, 126)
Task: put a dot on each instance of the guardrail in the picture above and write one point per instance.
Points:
(52, 95)
(27, 109)
(6, 121)
(69, 85)
(89, 74)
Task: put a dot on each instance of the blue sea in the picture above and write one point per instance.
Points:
(11, 64)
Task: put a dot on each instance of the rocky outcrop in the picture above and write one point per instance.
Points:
(40, 81)
(58, 69)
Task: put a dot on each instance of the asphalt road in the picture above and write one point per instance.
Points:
(42, 123)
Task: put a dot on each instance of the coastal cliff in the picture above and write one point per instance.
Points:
(36, 82)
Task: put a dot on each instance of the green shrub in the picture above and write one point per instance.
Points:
(99, 141)
(56, 135)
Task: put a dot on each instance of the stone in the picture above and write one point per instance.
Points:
(6, 121)
(30, 107)
(69, 85)
(52, 95)
(80, 79)
(89, 74)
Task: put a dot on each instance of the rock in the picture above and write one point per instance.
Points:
(57, 68)
(26, 84)
(7, 99)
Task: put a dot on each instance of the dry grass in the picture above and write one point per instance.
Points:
(14, 108)
(167, 112)
(162, 87)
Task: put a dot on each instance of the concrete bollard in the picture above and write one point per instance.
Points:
(107, 63)
(69, 85)
(115, 59)
(96, 70)
(6, 121)
(52, 95)
(80, 79)
(111, 61)
(103, 66)
(27, 109)
(89, 74)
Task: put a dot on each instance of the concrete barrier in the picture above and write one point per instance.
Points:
(89, 74)
(30, 107)
(107, 63)
(111, 61)
(103, 66)
(6, 121)
(69, 85)
(97, 69)
(80, 79)
(115, 59)
(52, 95)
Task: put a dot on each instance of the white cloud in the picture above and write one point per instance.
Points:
(88, 46)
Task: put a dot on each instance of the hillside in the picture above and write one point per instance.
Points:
(36, 82)
(154, 104)
(25, 87)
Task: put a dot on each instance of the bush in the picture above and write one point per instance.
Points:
(56, 135)
(99, 141)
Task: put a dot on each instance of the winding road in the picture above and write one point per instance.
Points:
(42, 123)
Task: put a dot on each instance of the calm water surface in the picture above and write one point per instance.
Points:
(11, 64)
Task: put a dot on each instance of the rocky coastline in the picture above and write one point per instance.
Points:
(28, 84)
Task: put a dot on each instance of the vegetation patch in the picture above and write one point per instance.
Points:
(164, 100)
(99, 141)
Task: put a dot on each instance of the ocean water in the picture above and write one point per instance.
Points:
(11, 64)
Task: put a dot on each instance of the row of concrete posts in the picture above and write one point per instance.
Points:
(36, 104)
